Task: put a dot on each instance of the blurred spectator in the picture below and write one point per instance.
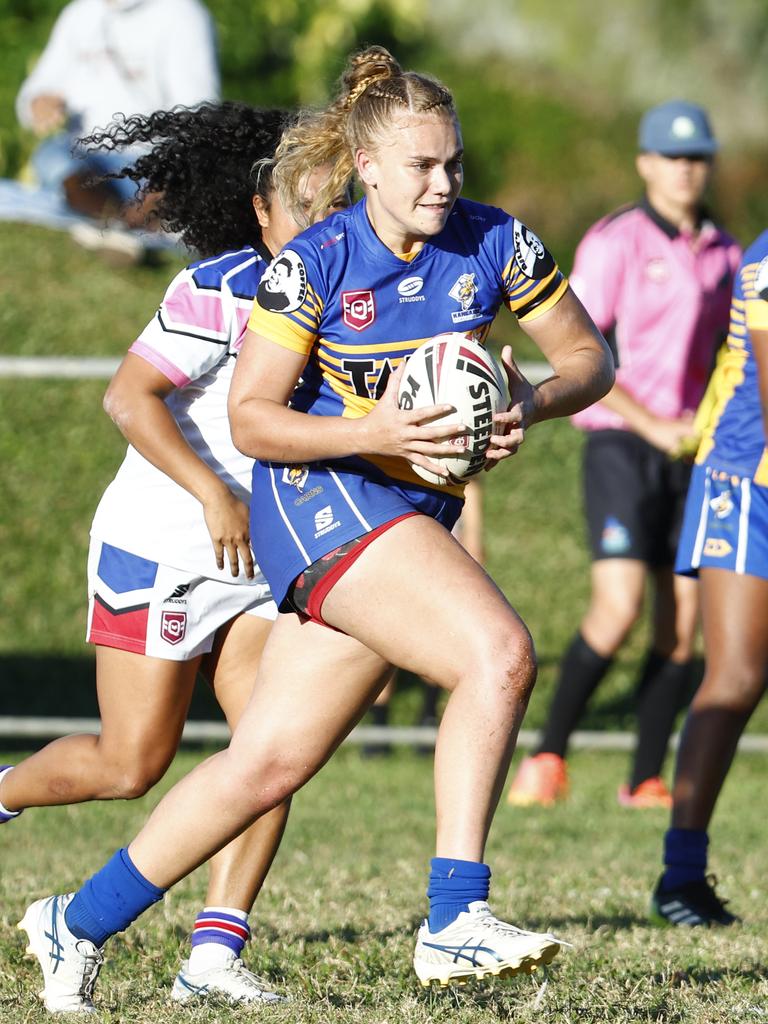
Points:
(656, 278)
(106, 57)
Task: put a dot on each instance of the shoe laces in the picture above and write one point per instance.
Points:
(249, 978)
(488, 919)
(709, 893)
(91, 959)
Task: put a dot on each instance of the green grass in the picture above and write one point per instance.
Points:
(58, 451)
(334, 927)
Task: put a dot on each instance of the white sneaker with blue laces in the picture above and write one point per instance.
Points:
(70, 965)
(232, 982)
(479, 945)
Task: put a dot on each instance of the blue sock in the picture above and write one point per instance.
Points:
(685, 857)
(453, 885)
(108, 902)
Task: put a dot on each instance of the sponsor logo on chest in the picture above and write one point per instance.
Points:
(410, 288)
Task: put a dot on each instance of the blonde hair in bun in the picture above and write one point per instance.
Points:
(372, 91)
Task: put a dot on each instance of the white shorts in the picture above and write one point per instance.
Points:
(149, 608)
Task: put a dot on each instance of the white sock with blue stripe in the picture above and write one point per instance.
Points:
(218, 938)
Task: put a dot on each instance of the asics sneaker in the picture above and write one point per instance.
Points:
(6, 815)
(231, 981)
(478, 945)
(695, 904)
(541, 779)
(70, 965)
(650, 793)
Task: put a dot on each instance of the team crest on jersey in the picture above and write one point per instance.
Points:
(531, 255)
(464, 291)
(173, 627)
(761, 279)
(358, 310)
(296, 476)
(283, 287)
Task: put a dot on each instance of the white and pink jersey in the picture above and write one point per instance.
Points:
(193, 339)
(662, 298)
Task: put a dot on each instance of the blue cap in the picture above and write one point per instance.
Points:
(676, 128)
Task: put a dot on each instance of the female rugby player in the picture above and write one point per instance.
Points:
(725, 542)
(172, 583)
(357, 549)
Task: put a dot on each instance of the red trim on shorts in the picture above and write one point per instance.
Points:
(324, 586)
(126, 631)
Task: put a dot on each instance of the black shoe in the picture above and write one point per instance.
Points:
(695, 904)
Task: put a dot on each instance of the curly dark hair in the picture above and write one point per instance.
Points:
(205, 163)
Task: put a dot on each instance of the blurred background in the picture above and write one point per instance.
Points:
(549, 97)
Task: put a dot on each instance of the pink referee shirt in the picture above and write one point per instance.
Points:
(663, 299)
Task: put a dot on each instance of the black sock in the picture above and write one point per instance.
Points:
(580, 672)
(661, 692)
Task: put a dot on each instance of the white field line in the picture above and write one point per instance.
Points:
(81, 367)
(217, 732)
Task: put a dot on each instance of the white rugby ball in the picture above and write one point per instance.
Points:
(456, 370)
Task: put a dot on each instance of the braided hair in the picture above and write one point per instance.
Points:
(205, 163)
(373, 89)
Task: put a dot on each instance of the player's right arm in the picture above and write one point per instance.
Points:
(135, 401)
(263, 427)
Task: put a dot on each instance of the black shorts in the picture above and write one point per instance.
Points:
(634, 498)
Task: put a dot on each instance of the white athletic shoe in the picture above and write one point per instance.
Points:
(70, 965)
(478, 945)
(233, 982)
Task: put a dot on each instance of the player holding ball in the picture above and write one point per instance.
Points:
(357, 547)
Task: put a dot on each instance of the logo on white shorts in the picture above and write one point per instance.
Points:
(173, 627)
(324, 521)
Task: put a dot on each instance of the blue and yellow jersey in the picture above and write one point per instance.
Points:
(734, 438)
(338, 295)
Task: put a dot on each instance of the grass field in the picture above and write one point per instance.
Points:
(336, 924)
(334, 927)
(58, 451)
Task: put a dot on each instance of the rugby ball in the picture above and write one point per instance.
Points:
(456, 370)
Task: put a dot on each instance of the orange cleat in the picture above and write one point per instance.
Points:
(650, 793)
(541, 779)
